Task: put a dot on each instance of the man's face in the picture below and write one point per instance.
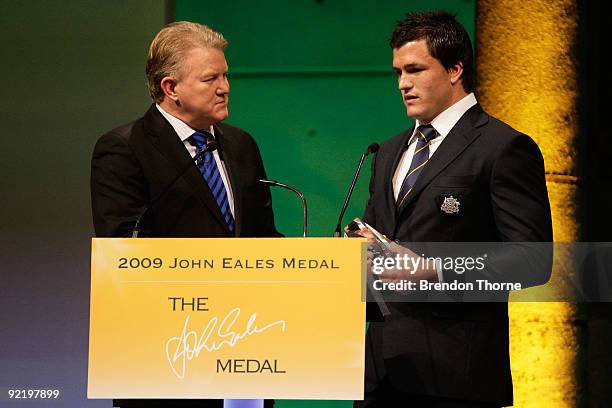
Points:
(203, 88)
(424, 83)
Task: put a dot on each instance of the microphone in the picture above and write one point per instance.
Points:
(372, 148)
(296, 191)
(211, 146)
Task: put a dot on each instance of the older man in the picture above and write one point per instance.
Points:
(148, 169)
(219, 196)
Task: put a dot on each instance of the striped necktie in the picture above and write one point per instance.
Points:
(425, 134)
(212, 176)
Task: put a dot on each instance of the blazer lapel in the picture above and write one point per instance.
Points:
(229, 156)
(459, 138)
(389, 171)
(165, 139)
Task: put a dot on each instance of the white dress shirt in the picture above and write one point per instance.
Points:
(184, 132)
(443, 123)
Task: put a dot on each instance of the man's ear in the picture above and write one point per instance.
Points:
(168, 85)
(455, 72)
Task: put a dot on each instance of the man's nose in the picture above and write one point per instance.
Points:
(224, 86)
(404, 82)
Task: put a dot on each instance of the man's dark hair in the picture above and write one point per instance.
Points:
(446, 39)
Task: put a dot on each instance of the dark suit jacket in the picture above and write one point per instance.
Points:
(443, 349)
(135, 162)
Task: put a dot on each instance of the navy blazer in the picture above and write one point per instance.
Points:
(456, 350)
(135, 162)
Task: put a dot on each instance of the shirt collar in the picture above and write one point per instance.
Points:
(445, 121)
(183, 130)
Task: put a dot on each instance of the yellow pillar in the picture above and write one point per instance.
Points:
(527, 78)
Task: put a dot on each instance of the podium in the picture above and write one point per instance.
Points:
(243, 318)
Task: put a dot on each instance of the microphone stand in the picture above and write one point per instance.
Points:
(296, 191)
(373, 148)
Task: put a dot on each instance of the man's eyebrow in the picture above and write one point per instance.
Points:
(213, 73)
(407, 66)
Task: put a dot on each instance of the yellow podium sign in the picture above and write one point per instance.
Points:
(226, 318)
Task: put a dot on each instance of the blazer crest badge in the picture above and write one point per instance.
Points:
(450, 205)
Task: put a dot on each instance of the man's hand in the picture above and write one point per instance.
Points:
(405, 261)
(406, 266)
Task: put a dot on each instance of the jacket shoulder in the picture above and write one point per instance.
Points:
(501, 135)
(121, 133)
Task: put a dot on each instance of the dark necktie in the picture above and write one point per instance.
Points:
(425, 134)
(212, 176)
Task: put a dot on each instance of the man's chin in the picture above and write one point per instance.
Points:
(418, 114)
(222, 115)
(413, 113)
